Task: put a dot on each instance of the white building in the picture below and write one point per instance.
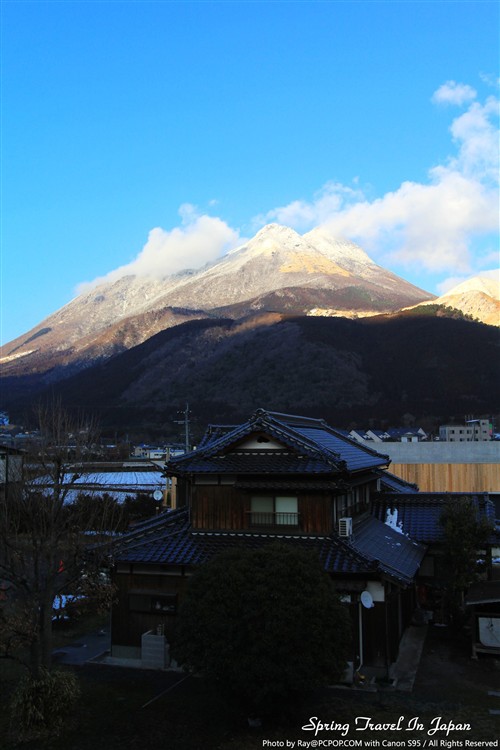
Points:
(472, 430)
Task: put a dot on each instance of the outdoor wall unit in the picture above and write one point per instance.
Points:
(345, 527)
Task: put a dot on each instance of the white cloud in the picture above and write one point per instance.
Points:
(476, 136)
(423, 224)
(199, 240)
(490, 80)
(452, 92)
(431, 226)
(302, 215)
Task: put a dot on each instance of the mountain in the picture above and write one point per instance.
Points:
(381, 368)
(479, 298)
(278, 270)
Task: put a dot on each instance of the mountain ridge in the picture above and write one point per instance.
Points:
(304, 322)
(477, 297)
(382, 368)
(277, 268)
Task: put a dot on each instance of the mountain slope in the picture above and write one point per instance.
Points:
(277, 270)
(340, 369)
(478, 298)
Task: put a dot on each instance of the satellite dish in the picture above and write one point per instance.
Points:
(157, 494)
(366, 599)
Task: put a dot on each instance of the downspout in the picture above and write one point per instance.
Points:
(387, 638)
(360, 625)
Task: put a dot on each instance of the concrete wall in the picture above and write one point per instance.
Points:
(441, 452)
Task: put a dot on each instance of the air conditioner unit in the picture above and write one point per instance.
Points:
(345, 526)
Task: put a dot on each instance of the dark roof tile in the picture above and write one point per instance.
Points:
(170, 541)
(419, 513)
(313, 447)
(398, 555)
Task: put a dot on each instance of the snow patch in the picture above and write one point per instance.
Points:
(11, 357)
(391, 520)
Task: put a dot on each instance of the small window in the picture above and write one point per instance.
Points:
(286, 511)
(274, 510)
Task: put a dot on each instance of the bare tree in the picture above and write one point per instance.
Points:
(44, 550)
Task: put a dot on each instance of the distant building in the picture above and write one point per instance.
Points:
(472, 430)
(150, 452)
(158, 453)
(407, 434)
(392, 434)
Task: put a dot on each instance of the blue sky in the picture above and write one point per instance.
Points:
(149, 136)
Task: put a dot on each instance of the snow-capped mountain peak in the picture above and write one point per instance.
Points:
(277, 270)
(269, 238)
(344, 252)
(478, 297)
(488, 283)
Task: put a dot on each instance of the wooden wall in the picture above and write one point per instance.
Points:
(473, 477)
(226, 508)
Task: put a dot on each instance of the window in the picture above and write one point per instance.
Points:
(274, 510)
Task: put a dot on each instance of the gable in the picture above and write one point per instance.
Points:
(316, 447)
(260, 441)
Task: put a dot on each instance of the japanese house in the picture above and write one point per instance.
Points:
(276, 477)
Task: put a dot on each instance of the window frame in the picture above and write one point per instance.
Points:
(276, 518)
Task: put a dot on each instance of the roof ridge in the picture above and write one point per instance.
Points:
(277, 428)
(257, 535)
(292, 419)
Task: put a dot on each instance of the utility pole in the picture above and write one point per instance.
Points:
(185, 422)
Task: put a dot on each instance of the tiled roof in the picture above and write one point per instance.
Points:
(313, 447)
(257, 462)
(169, 540)
(397, 555)
(398, 432)
(391, 483)
(354, 455)
(151, 530)
(214, 432)
(419, 513)
(382, 434)
(116, 484)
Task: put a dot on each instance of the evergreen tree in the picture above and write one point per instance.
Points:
(266, 625)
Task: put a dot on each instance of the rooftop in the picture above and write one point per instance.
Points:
(374, 548)
(301, 445)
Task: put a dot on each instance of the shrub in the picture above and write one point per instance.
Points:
(39, 707)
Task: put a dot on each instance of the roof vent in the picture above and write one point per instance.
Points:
(345, 527)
